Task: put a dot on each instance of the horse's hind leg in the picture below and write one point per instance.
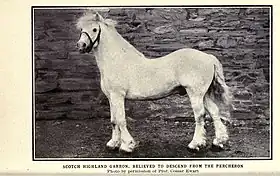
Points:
(221, 135)
(199, 139)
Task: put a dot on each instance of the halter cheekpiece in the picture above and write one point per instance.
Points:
(91, 44)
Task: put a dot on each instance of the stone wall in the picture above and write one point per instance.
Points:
(67, 83)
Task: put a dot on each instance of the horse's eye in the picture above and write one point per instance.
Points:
(81, 30)
(94, 29)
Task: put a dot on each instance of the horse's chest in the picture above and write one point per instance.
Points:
(113, 82)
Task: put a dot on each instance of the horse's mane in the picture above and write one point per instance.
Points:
(90, 16)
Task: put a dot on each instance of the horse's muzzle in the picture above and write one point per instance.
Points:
(82, 47)
(82, 50)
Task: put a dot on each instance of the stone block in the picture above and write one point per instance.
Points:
(49, 55)
(48, 76)
(206, 44)
(208, 11)
(243, 95)
(43, 86)
(232, 23)
(77, 97)
(226, 42)
(212, 11)
(163, 29)
(194, 31)
(80, 114)
(49, 115)
(72, 84)
(245, 79)
(266, 72)
(262, 62)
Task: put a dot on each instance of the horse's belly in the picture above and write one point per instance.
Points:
(147, 95)
(150, 91)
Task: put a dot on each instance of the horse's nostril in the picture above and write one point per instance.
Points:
(84, 45)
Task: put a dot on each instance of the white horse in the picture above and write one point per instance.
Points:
(128, 74)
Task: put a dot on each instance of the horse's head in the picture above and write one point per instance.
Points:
(90, 32)
(90, 27)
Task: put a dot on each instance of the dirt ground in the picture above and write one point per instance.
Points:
(158, 138)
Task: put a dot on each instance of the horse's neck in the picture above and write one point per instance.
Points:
(125, 46)
(114, 48)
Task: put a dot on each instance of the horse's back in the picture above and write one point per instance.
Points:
(190, 54)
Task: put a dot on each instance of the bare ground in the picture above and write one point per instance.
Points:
(158, 138)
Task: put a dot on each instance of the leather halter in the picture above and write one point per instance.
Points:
(91, 44)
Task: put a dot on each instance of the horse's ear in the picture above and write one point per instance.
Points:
(98, 17)
(110, 22)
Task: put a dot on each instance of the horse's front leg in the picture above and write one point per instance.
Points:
(120, 135)
(115, 142)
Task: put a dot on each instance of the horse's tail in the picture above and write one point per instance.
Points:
(219, 91)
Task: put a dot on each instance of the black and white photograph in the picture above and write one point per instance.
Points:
(152, 82)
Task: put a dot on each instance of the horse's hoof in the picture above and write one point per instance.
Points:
(127, 148)
(125, 151)
(113, 145)
(193, 150)
(217, 148)
(195, 147)
(218, 145)
(219, 142)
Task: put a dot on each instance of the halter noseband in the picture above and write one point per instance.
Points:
(91, 44)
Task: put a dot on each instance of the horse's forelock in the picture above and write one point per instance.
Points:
(85, 20)
(88, 18)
